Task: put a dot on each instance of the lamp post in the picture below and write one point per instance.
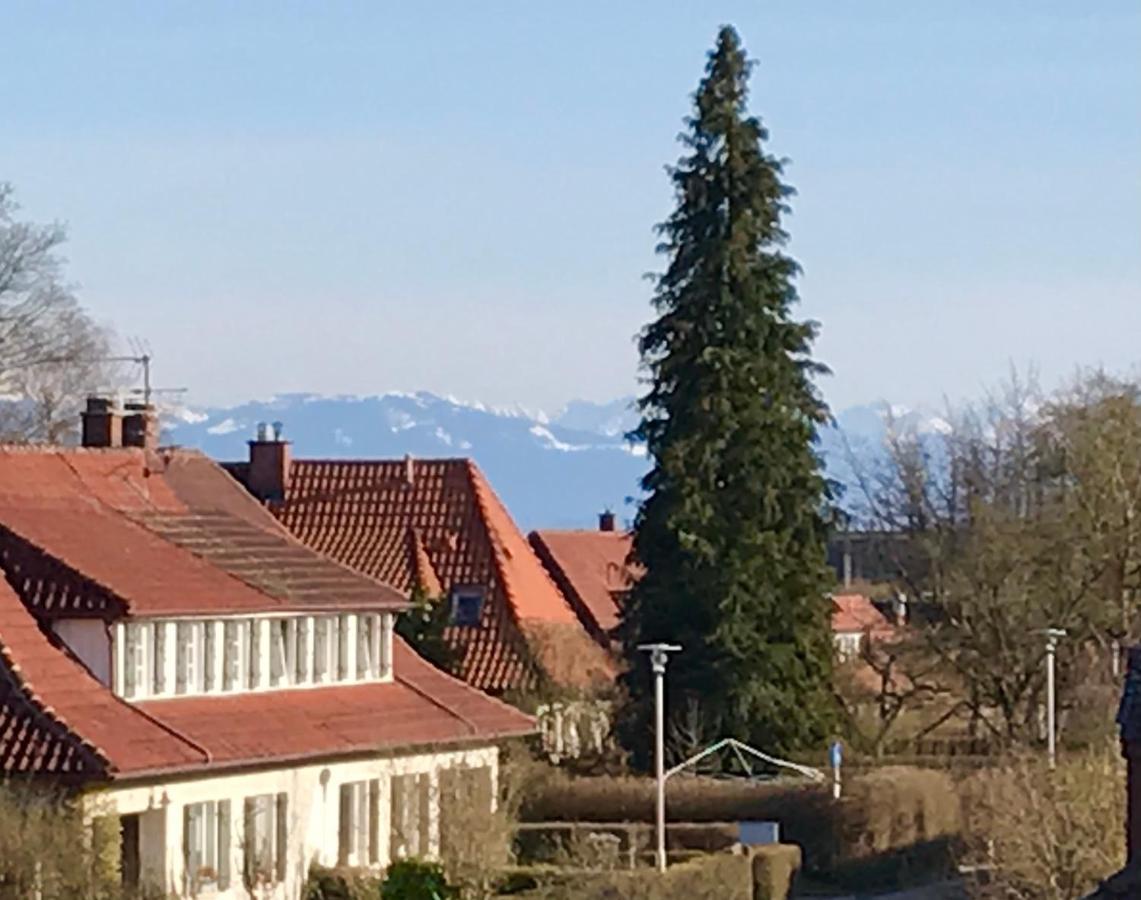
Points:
(659, 656)
(1052, 636)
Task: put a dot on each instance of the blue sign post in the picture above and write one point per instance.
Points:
(835, 756)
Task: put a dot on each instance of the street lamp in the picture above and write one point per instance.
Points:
(659, 656)
(1052, 636)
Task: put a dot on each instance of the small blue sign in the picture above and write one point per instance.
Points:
(835, 754)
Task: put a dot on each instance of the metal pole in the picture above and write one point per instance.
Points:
(660, 760)
(659, 656)
(1052, 635)
(1052, 749)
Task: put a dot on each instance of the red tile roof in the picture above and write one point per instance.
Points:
(591, 569)
(855, 613)
(57, 718)
(164, 534)
(398, 519)
(423, 706)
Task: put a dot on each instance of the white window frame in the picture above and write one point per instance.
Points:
(186, 657)
(207, 831)
(358, 837)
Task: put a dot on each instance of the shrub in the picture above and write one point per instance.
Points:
(1049, 835)
(775, 868)
(340, 884)
(475, 842)
(716, 877)
(49, 850)
(887, 811)
(413, 879)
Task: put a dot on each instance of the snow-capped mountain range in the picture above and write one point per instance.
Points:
(556, 471)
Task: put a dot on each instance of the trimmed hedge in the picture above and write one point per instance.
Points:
(901, 817)
(340, 884)
(775, 868)
(720, 876)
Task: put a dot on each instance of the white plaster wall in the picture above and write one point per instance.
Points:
(313, 810)
(88, 639)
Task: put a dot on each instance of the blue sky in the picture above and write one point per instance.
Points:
(459, 197)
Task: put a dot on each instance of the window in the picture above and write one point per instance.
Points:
(360, 823)
(344, 657)
(206, 846)
(409, 820)
(283, 652)
(305, 650)
(253, 654)
(233, 652)
(266, 834)
(467, 606)
(190, 673)
(158, 659)
(195, 657)
(368, 647)
(140, 663)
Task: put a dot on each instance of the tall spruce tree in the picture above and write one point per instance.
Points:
(732, 534)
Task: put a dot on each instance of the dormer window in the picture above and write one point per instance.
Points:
(467, 606)
(191, 657)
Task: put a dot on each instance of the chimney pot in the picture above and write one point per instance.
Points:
(409, 470)
(606, 521)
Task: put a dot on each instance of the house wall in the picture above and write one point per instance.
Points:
(313, 813)
(848, 644)
(88, 639)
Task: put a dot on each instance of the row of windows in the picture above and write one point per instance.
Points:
(208, 829)
(164, 658)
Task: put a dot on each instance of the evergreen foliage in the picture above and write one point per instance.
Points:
(423, 627)
(732, 533)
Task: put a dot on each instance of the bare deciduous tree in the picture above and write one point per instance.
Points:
(50, 348)
(1023, 515)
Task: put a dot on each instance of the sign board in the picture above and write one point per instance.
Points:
(753, 834)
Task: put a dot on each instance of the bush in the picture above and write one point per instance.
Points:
(413, 879)
(48, 850)
(340, 884)
(775, 868)
(883, 815)
(717, 877)
(1049, 835)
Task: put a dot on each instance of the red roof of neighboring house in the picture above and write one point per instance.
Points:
(163, 533)
(855, 613)
(57, 718)
(591, 569)
(439, 522)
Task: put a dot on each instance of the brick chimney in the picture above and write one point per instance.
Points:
(606, 520)
(270, 458)
(102, 423)
(140, 426)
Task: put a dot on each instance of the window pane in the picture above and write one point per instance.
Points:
(364, 647)
(344, 631)
(253, 653)
(321, 648)
(232, 661)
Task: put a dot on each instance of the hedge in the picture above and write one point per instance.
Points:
(719, 876)
(893, 817)
(775, 868)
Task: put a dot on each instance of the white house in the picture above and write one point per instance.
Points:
(239, 702)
